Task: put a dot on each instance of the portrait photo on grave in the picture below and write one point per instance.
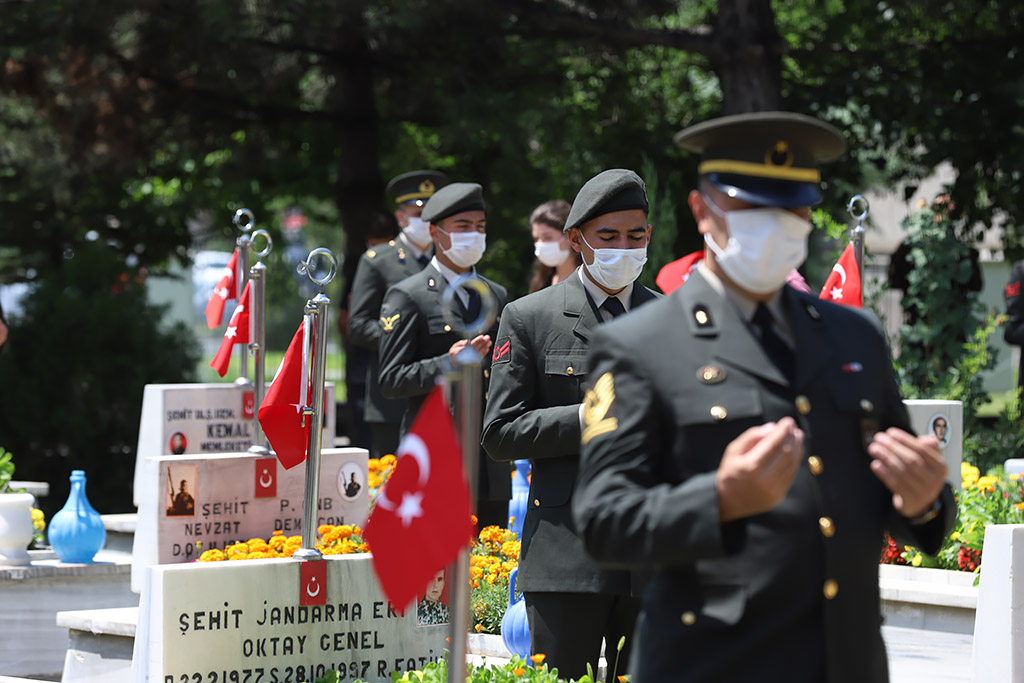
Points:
(432, 608)
(350, 481)
(938, 424)
(181, 482)
(178, 444)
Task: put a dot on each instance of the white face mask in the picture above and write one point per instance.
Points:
(615, 268)
(467, 247)
(550, 254)
(417, 232)
(764, 246)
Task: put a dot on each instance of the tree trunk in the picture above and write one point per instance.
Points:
(748, 57)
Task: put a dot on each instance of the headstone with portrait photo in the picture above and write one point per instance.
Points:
(945, 421)
(204, 502)
(276, 620)
(192, 419)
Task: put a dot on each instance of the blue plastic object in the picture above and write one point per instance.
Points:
(76, 532)
(520, 496)
(515, 630)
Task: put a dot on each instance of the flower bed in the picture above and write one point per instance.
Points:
(995, 498)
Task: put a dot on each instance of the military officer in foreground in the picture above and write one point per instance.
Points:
(417, 344)
(379, 268)
(747, 441)
(535, 411)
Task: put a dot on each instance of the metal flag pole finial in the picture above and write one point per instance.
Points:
(858, 207)
(468, 377)
(258, 331)
(316, 350)
(244, 220)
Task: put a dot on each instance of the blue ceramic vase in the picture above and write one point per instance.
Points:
(515, 631)
(520, 496)
(76, 533)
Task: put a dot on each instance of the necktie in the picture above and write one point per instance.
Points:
(613, 306)
(778, 351)
(472, 305)
(423, 259)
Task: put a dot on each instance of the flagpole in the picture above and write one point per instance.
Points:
(468, 377)
(244, 242)
(858, 208)
(258, 334)
(318, 308)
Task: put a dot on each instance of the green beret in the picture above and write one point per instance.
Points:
(617, 189)
(415, 186)
(765, 158)
(453, 199)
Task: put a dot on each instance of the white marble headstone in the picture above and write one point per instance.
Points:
(191, 419)
(217, 500)
(229, 622)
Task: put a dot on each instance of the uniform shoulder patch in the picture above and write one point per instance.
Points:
(597, 406)
(502, 352)
(388, 322)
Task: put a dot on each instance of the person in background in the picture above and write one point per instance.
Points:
(1013, 331)
(747, 442)
(555, 261)
(535, 410)
(385, 263)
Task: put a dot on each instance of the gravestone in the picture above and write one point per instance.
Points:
(266, 621)
(945, 421)
(220, 499)
(999, 621)
(190, 419)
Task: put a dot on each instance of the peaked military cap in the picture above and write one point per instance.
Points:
(617, 189)
(765, 158)
(453, 199)
(416, 186)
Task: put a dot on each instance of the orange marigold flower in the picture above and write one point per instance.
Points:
(345, 530)
(212, 556)
(479, 628)
(538, 658)
(519, 671)
(278, 532)
(474, 519)
(388, 460)
(622, 679)
(323, 529)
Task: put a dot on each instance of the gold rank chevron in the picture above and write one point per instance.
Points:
(389, 323)
(595, 408)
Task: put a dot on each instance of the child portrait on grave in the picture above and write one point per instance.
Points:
(432, 609)
(940, 428)
(180, 502)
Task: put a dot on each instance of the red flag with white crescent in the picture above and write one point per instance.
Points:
(236, 333)
(226, 289)
(423, 511)
(281, 412)
(843, 284)
(313, 582)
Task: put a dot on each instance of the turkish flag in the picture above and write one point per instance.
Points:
(237, 333)
(313, 582)
(266, 478)
(281, 412)
(423, 512)
(226, 289)
(672, 275)
(843, 283)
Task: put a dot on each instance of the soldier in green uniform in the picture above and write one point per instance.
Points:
(379, 268)
(747, 442)
(535, 411)
(417, 344)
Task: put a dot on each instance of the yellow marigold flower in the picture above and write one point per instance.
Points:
(323, 529)
(1013, 476)
(212, 556)
(388, 460)
(955, 536)
(1019, 506)
(491, 578)
(475, 572)
(538, 658)
(479, 628)
(345, 530)
(277, 541)
(375, 481)
(374, 465)
(917, 560)
(510, 548)
(519, 671)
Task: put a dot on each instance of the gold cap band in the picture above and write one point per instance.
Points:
(803, 175)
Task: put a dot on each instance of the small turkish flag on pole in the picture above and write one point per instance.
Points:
(423, 512)
(225, 289)
(237, 333)
(281, 413)
(843, 283)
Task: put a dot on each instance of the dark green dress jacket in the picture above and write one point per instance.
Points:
(537, 381)
(788, 595)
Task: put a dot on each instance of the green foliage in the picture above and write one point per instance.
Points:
(513, 671)
(662, 218)
(78, 360)
(487, 603)
(6, 470)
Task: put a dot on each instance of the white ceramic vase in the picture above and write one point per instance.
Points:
(15, 527)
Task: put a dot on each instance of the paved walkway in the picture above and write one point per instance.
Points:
(917, 656)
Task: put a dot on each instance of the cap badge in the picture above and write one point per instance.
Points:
(779, 155)
(711, 374)
(427, 187)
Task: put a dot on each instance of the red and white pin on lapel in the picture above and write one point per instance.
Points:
(852, 367)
